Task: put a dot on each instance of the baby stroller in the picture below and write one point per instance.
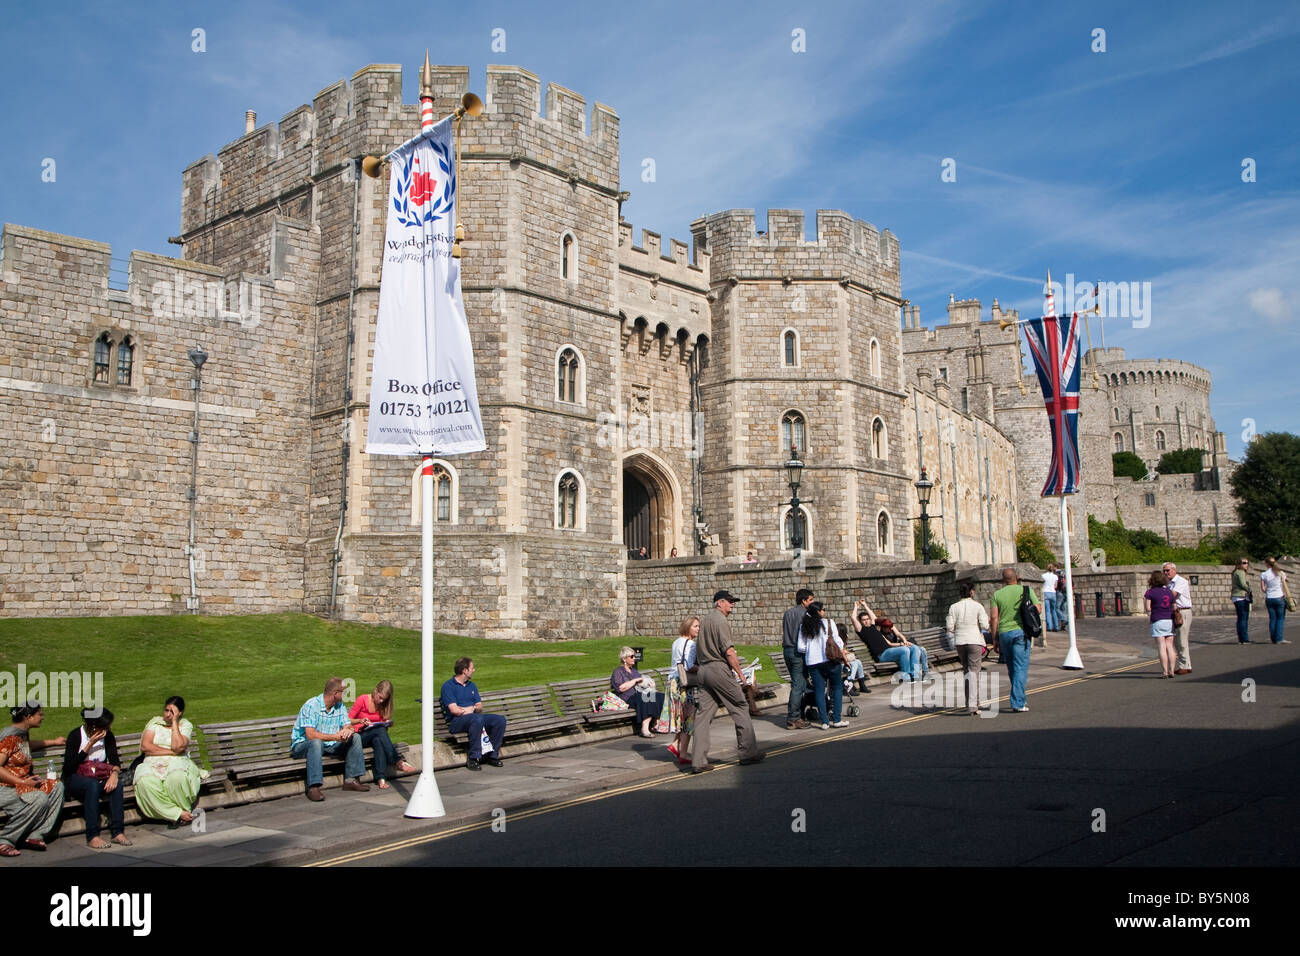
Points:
(808, 704)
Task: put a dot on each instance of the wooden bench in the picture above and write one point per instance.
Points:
(930, 638)
(529, 712)
(244, 750)
(575, 697)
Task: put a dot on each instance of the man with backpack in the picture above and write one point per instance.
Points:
(1014, 627)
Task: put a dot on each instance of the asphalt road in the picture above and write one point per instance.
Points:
(1123, 769)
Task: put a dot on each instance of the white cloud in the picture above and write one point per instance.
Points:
(1270, 304)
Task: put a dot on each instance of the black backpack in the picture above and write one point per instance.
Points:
(1031, 621)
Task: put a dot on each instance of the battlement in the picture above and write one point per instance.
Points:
(366, 116)
(1116, 371)
(648, 257)
(843, 247)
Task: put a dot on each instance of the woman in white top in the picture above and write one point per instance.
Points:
(826, 667)
(968, 622)
(1050, 620)
(679, 702)
(1273, 583)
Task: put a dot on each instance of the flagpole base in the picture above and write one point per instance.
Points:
(426, 801)
(1073, 662)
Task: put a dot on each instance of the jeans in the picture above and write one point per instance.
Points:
(473, 725)
(377, 739)
(855, 671)
(89, 792)
(911, 660)
(1015, 651)
(1051, 618)
(1243, 621)
(354, 755)
(794, 661)
(1276, 617)
(1062, 608)
(822, 674)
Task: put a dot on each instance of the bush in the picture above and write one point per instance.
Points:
(1032, 546)
(1181, 461)
(937, 551)
(1139, 546)
(1126, 464)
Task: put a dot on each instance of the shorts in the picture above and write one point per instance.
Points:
(1164, 628)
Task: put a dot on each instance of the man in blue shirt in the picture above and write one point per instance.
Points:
(322, 728)
(463, 709)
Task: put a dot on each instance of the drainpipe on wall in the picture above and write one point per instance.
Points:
(198, 357)
(988, 485)
(956, 512)
(979, 480)
(337, 556)
(938, 453)
(697, 437)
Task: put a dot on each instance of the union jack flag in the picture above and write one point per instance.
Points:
(1054, 347)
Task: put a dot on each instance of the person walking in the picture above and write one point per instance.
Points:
(1241, 598)
(1009, 634)
(1159, 602)
(791, 623)
(679, 702)
(720, 679)
(1273, 583)
(967, 622)
(823, 652)
(1183, 601)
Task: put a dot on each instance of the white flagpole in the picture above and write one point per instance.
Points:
(425, 800)
(1073, 662)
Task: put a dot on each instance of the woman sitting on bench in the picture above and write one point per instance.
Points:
(636, 691)
(92, 771)
(167, 781)
(372, 715)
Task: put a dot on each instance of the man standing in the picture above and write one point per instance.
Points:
(1009, 635)
(720, 678)
(793, 659)
(323, 728)
(462, 708)
(1183, 602)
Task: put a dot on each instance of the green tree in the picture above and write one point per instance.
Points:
(1267, 489)
(1181, 461)
(1126, 464)
(937, 550)
(1031, 545)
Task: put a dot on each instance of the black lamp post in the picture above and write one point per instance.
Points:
(793, 469)
(923, 488)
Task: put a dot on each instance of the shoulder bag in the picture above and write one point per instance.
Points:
(834, 653)
(1286, 593)
(1030, 620)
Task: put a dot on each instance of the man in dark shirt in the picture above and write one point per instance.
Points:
(720, 680)
(463, 709)
(793, 659)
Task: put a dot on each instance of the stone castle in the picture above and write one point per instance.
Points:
(632, 395)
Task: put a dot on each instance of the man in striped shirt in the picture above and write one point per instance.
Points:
(323, 728)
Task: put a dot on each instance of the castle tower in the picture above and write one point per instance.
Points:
(805, 348)
(539, 201)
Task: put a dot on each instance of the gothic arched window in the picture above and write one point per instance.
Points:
(103, 353)
(125, 357)
(793, 433)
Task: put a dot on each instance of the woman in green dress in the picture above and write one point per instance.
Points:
(167, 781)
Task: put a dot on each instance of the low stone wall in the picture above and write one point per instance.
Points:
(661, 593)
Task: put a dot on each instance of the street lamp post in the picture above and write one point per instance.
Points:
(198, 357)
(923, 488)
(793, 469)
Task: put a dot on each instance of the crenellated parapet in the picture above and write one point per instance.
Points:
(845, 249)
(366, 116)
(649, 259)
(1116, 371)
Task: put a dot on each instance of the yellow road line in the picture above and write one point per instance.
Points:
(670, 778)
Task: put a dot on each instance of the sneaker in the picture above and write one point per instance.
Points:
(1283, 642)
(825, 726)
(1020, 710)
(840, 723)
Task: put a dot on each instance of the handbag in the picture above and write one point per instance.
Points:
(609, 701)
(1286, 592)
(1178, 618)
(686, 677)
(96, 770)
(833, 653)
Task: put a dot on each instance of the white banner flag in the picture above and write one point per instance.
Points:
(422, 392)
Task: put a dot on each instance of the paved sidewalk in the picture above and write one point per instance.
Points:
(294, 831)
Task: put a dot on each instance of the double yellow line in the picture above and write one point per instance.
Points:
(676, 777)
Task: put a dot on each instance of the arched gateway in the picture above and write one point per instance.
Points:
(650, 506)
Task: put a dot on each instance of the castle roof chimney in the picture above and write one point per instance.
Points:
(250, 121)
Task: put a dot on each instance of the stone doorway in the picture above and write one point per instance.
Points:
(649, 506)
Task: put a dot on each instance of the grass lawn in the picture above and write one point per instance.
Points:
(240, 667)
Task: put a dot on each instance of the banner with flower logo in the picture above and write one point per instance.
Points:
(423, 396)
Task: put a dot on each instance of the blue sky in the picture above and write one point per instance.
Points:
(1122, 166)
